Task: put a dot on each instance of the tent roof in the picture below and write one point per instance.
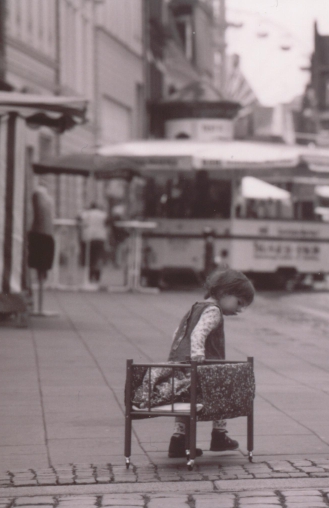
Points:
(322, 190)
(57, 112)
(253, 188)
(317, 158)
(88, 164)
(208, 155)
(157, 155)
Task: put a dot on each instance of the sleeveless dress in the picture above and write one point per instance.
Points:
(215, 342)
(158, 381)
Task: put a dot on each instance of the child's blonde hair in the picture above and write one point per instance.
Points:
(229, 282)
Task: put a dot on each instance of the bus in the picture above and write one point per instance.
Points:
(253, 206)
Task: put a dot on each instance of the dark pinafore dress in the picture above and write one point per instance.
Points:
(215, 342)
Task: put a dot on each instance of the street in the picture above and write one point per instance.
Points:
(62, 383)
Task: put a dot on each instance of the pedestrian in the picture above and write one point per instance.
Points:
(200, 336)
(41, 244)
(221, 260)
(94, 232)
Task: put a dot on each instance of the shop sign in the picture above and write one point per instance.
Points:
(286, 251)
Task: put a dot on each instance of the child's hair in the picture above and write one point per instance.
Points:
(229, 282)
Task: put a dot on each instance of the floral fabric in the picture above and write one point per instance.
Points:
(226, 390)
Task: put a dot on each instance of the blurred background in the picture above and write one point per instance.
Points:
(126, 56)
(228, 70)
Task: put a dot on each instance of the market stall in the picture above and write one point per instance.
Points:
(18, 111)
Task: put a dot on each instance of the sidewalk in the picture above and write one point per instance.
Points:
(61, 400)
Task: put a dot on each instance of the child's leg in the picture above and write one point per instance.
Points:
(219, 438)
(180, 426)
(177, 442)
(219, 425)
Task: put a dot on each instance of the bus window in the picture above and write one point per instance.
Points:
(304, 210)
(193, 197)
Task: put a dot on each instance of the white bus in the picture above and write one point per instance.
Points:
(253, 205)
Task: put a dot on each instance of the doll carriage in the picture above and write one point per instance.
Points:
(218, 389)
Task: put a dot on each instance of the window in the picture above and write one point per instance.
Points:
(180, 197)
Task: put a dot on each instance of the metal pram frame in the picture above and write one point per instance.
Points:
(133, 413)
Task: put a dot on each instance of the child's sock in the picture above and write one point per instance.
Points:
(219, 425)
(179, 429)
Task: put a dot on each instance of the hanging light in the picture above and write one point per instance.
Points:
(262, 31)
(262, 34)
(286, 43)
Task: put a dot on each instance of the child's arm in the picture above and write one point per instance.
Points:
(209, 319)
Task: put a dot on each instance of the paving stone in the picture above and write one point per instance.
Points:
(313, 469)
(296, 492)
(214, 501)
(164, 502)
(71, 502)
(34, 500)
(122, 500)
(5, 483)
(267, 505)
(301, 463)
(299, 474)
(256, 493)
(4, 502)
(260, 501)
(78, 502)
(300, 497)
(306, 504)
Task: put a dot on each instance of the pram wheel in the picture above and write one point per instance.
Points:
(250, 456)
(190, 465)
(127, 462)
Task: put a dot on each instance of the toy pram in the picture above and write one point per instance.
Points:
(215, 389)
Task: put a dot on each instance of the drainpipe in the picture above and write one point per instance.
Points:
(146, 67)
(57, 91)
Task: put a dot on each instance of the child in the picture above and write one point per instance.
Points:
(200, 336)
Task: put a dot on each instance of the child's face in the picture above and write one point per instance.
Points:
(231, 305)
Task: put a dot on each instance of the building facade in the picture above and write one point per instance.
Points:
(85, 48)
(121, 55)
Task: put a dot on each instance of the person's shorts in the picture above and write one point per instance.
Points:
(41, 249)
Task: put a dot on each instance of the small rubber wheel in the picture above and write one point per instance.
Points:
(127, 463)
(190, 465)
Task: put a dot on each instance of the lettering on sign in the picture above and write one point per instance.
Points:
(284, 251)
(302, 233)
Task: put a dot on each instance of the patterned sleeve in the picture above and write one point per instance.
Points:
(209, 319)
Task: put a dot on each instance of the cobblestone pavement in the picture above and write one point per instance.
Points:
(168, 485)
(86, 474)
(265, 498)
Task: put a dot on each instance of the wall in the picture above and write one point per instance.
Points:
(119, 71)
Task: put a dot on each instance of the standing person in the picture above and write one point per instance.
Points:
(41, 244)
(200, 336)
(94, 235)
(221, 260)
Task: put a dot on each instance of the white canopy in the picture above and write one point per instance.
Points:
(185, 154)
(322, 191)
(253, 188)
(317, 158)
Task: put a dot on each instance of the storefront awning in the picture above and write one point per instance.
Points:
(253, 188)
(89, 164)
(57, 112)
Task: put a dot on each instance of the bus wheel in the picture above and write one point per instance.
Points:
(290, 284)
(287, 278)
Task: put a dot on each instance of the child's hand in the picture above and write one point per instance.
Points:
(198, 358)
